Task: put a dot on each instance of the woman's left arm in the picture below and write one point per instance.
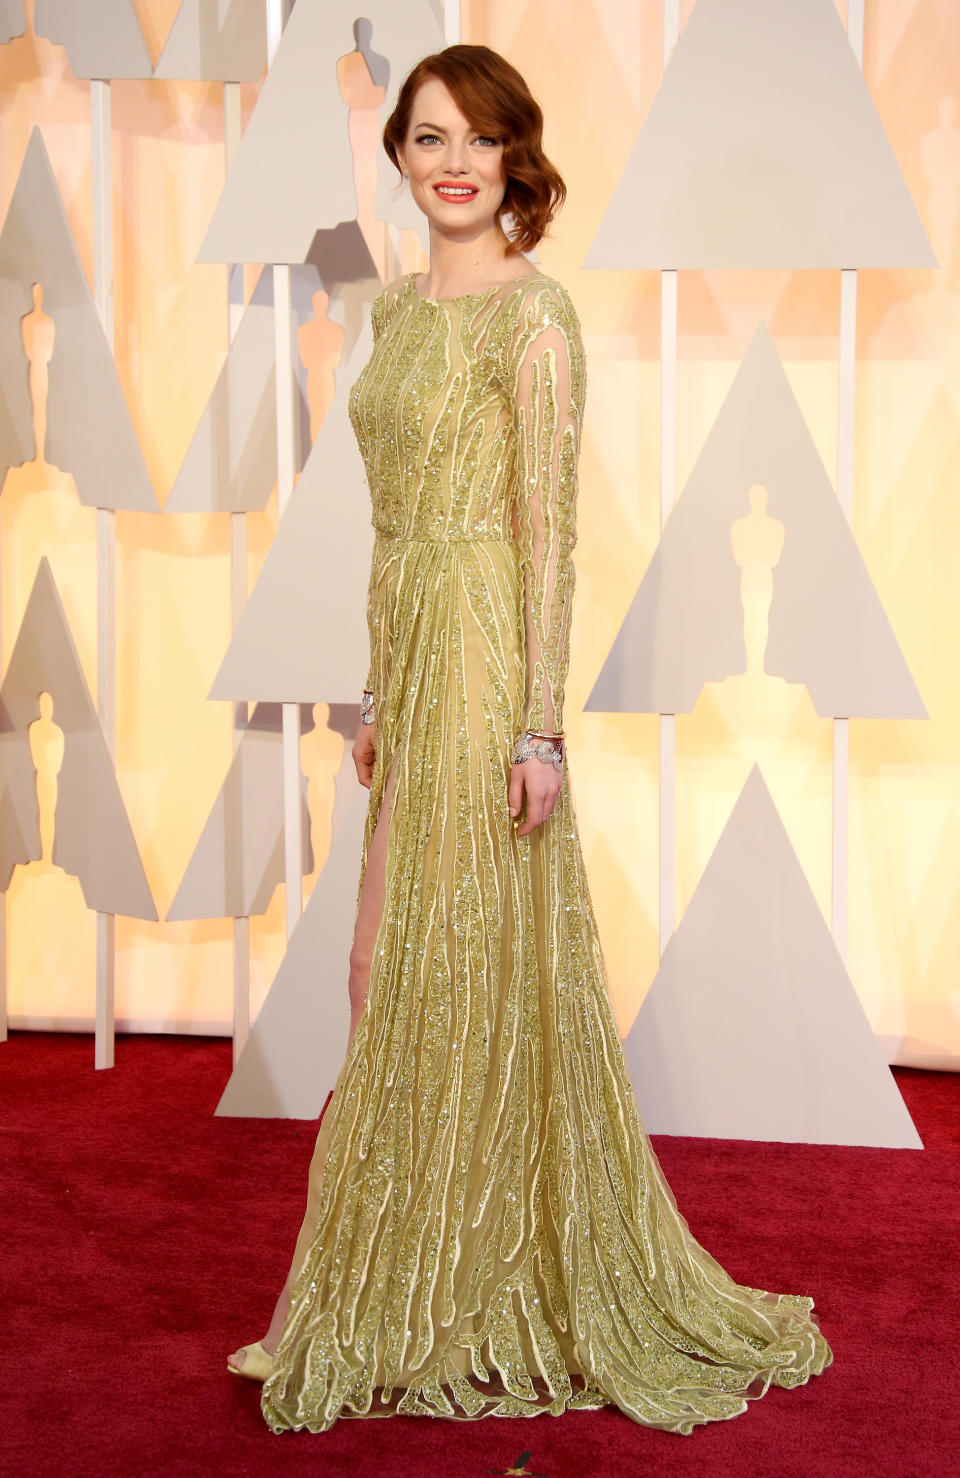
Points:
(549, 384)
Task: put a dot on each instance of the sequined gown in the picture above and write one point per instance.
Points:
(490, 1233)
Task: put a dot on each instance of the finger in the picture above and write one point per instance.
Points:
(542, 806)
(515, 792)
(533, 817)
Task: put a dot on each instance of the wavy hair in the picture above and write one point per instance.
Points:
(493, 96)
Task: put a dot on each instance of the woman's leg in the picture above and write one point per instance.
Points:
(369, 913)
(370, 908)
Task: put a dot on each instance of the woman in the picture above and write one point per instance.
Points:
(493, 1235)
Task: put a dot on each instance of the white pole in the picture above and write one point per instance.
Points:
(102, 173)
(668, 494)
(232, 129)
(286, 457)
(275, 20)
(845, 431)
(286, 452)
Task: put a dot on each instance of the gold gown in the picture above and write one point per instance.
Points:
(489, 1232)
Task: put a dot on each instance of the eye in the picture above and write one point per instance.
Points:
(483, 138)
(426, 138)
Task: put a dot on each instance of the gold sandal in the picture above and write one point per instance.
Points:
(256, 1362)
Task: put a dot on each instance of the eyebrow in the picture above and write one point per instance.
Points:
(437, 129)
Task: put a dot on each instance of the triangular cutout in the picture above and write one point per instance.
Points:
(102, 38)
(827, 628)
(238, 861)
(315, 576)
(216, 43)
(275, 197)
(752, 1028)
(231, 463)
(762, 148)
(13, 20)
(19, 827)
(93, 838)
(297, 1045)
(89, 430)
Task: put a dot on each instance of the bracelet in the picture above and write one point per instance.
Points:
(546, 747)
(366, 707)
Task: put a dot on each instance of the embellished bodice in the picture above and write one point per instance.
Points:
(467, 415)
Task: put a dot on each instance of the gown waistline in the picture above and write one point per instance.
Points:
(390, 537)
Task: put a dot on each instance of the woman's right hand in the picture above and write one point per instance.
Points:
(365, 752)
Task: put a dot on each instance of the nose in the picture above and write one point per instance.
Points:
(455, 157)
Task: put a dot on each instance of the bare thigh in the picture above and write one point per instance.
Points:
(369, 911)
(370, 907)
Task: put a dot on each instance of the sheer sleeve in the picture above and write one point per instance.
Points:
(547, 382)
(377, 322)
(372, 618)
(378, 314)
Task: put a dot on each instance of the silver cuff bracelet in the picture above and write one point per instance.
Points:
(538, 746)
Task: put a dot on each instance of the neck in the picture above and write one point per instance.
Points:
(458, 265)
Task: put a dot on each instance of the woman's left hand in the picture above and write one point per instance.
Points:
(540, 784)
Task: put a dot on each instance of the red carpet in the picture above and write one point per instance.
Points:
(143, 1238)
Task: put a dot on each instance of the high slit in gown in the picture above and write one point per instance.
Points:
(489, 1232)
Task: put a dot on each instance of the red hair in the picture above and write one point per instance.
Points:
(493, 96)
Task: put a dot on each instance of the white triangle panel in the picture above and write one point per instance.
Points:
(752, 1028)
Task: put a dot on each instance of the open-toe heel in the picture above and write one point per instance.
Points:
(256, 1362)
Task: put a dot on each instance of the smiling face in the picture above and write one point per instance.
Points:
(455, 173)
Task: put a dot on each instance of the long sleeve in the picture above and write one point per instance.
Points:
(377, 317)
(372, 619)
(548, 381)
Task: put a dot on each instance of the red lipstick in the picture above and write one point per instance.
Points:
(455, 190)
